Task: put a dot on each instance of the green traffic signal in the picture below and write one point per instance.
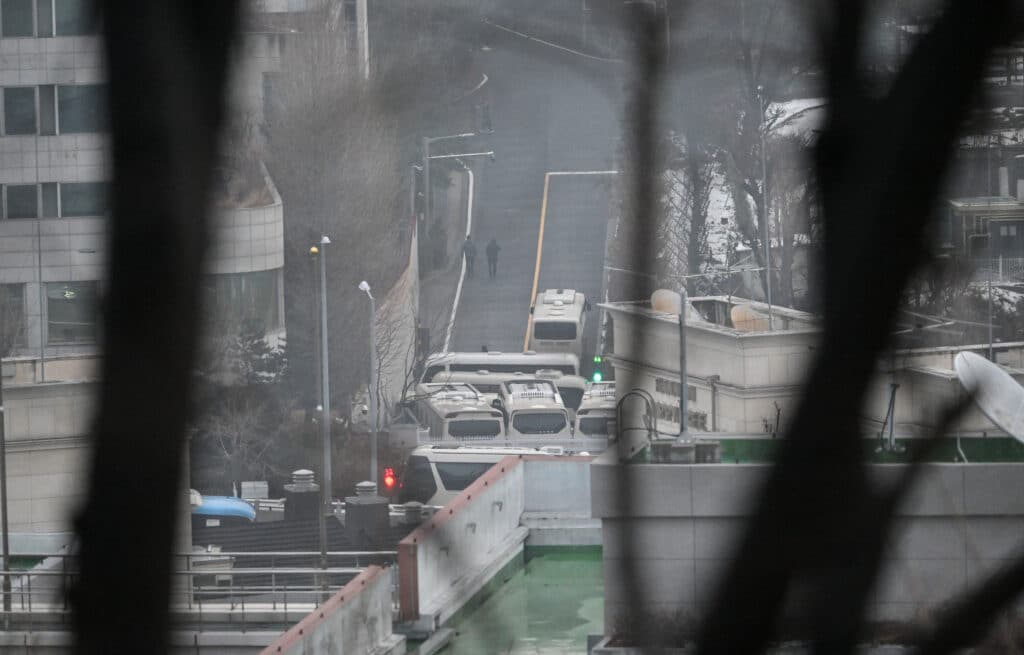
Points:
(597, 359)
(596, 377)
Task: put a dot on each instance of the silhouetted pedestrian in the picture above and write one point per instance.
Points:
(469, 252)
(492, 258)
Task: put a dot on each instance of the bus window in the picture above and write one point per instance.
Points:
(571, 397)
(487, 388)
(591, 425)
(554, 330)
(474, 428)
(539, 423)
(456, 476)
(418, 482)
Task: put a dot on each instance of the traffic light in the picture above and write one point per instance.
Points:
(389, 479)
(597, 375)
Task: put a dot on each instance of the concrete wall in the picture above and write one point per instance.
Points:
(959, 524)
(354, 621)
(556, 502)
(448, 559)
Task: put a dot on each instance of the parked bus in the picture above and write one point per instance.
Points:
(499, 362)
(596, 414)
(533, 409)
(434, 475)
(570, 387)
(458, 412)
(559, 316)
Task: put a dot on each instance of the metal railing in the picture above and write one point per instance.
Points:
(209, 589)
(1001, 270)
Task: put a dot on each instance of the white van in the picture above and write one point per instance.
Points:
(434, 475)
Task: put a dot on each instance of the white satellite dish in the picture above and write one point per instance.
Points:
(997, 395)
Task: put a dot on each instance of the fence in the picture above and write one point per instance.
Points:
(208, 588)
(1001, 270)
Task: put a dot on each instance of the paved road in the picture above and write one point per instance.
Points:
(545, 118)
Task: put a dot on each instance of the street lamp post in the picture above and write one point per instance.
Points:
(325, 403)
(363, 286)
(764, 210)
(427, 140)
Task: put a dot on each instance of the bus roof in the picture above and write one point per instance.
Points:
(531, 393)
(448, 398)
(559, 305)
(481, 360)
(479, 452)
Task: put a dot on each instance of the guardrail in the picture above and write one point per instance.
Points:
(208, 588)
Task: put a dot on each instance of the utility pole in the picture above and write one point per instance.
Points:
(684, 418)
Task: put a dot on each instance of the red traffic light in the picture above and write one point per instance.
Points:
(389, 478)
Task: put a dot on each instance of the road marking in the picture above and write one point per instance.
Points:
(540, 242)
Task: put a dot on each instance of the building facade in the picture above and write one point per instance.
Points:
(55, 175)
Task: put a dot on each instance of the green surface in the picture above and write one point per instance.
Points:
(548, 607)
(977, 450)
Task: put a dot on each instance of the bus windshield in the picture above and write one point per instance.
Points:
(591, 425)
(554, 330)
(468, 428)
(539, 422)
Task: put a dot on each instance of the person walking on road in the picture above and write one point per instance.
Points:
(492, 258)
(469, 252)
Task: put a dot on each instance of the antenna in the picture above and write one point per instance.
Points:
(996, 394)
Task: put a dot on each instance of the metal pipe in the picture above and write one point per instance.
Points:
(6, 584)
(713, 380)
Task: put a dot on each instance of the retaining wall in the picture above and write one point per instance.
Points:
(447, 560)
(556, 502)
(958, 525)
(354, 621)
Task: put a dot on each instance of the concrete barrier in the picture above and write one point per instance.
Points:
(556, 502)
(446, 561)
(354, 621)
(958, 524)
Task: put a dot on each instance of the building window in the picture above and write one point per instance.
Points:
(71, 312)
(66, 199)
(20, 110)
(17, 18)
(47, 110)
(234, 299)
(81, 108)
(12, 317)
(74, 18)
(83, 198)
(671, 388)
(20, 201)
(50, 209)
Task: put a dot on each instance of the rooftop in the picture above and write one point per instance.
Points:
(734, 316)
